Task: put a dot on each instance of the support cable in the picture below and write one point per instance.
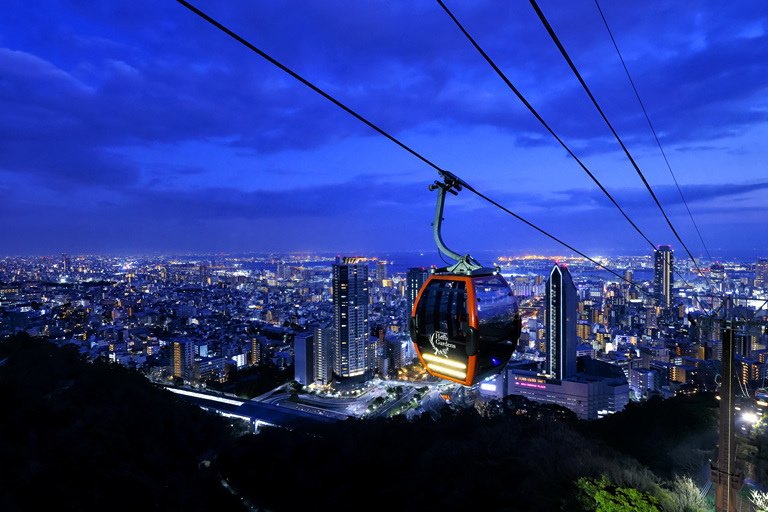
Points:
(541, 120)
(304, 81)
(536, 114)
(560, 46)
(410, 150)
(653, 130)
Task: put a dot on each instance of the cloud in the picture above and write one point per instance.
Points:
(89, 91)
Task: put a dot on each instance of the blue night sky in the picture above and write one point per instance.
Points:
(131, 127)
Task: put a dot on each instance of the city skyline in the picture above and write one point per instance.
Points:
(125, 136)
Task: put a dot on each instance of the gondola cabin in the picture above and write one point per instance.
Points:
(465, 327)
(761, 397)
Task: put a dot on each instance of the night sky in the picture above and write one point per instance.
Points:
(135, 127)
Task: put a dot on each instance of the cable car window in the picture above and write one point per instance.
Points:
(496, 308)
(443, 308)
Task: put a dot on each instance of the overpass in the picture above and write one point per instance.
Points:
(259, 414)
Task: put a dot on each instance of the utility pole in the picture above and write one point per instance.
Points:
(723, 473)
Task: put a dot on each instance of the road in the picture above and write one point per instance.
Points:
(385, 409)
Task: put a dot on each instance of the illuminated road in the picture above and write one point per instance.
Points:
(385, 409)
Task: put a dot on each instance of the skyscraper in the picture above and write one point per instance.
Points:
(662, 275)
(562, 306)
(354, 354)
(381, 271)
(717, 272)
(761, 273)
(323, 337)
(415, 279)
(303, 358)
(183, 359)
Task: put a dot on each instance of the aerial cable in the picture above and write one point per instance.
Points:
(480, 194)
(658, 142)
(536, 114)
(402, 145)
(304, 81)
(559, 45)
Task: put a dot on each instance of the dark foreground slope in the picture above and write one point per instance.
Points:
(525, 457)
(95, 436)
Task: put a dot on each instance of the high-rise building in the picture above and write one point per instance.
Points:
(561, 319)
(65, 262)
(354, 354)
(717, 271)
(303, 358)
(183, 359)
(662, 275)
(283, 271)
(761, 273)
(257, 343)
(381, 271)
(415, 279)
(322, 340)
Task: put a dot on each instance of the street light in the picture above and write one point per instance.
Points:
(750, 417)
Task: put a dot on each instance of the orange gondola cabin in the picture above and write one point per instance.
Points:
(465, 327)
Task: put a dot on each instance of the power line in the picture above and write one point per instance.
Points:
(536, 114)
(647, 118)
(304, 81)
(559, 45)
(541, 120)
(401, 144)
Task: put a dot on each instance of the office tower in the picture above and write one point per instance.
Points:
(761, 273)
(183, 359)
(381, 271)
(65, 262)
(354, 355)
(562, 306)
(322, 340)
(283, 270)
(415, 279)
(257, 343)
(662, 275)
(717, 272)
(303, 358)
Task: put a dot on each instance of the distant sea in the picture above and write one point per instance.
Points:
(400, 262)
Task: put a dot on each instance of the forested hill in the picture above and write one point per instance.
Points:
(100, 436)
(76, 435)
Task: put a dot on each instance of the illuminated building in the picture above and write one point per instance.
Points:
(761, 273)
(354, 355)
(644, 380)
(562, 306)
(322, 339)
(381, 271)
(256, 348)
(662, 274)
(283, 271)
(415, 279)
(183, 359)
(584, 330)
(596, 388)
(717, 271)
(211, 368)
(746, 370)
(303, 364)
(588, 387)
